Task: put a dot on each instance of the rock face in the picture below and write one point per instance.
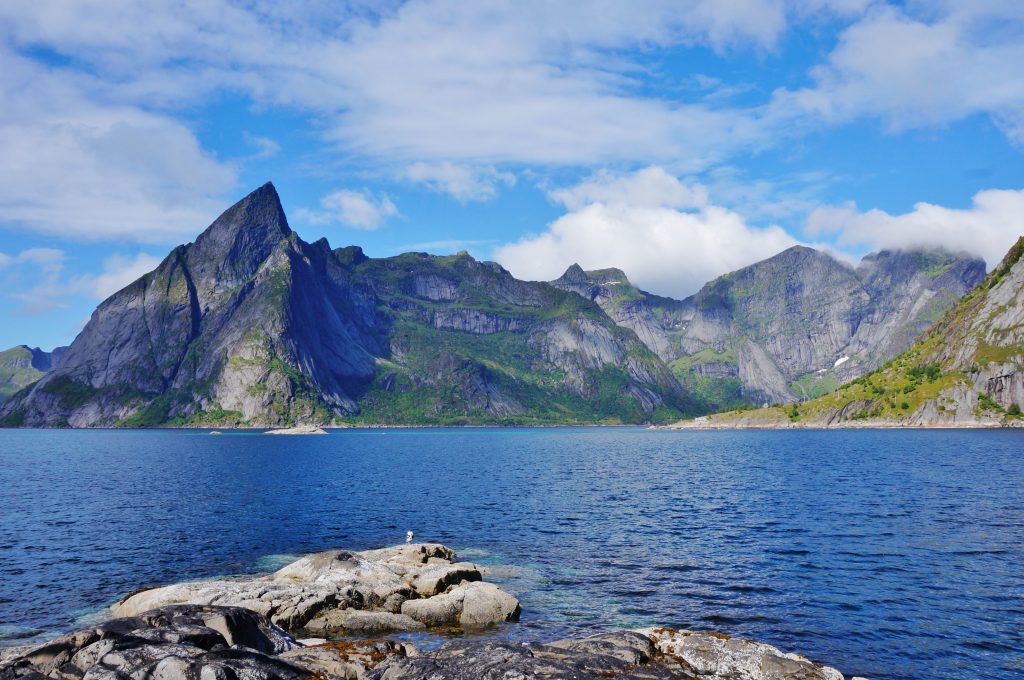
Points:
(22, 365)
(966, 371)
(197, 643)
(251, 326)
(790, 327)
(409, 587)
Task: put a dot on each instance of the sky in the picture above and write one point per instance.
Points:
(675, 139)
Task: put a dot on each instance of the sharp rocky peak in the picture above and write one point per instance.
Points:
(574, 274)
(245, 234)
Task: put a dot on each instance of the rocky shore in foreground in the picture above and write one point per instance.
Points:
(253, 628)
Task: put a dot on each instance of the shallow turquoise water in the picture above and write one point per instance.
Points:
(889, 554)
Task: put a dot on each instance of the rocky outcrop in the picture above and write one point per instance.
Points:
(201, 643)
(790, 327)
(410, 587)
(187, 642)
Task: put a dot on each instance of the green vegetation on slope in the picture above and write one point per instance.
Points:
(16, 371)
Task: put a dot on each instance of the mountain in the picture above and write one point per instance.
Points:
(967, 370)
(22, 365)
(791, 327)
(250, 325)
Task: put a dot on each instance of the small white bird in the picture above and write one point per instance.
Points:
(408, 537)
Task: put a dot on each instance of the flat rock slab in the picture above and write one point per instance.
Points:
(338, 592)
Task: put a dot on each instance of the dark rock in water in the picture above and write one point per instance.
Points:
(185, 641)
(211, 642)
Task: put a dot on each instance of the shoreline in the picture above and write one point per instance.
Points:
(295, 624)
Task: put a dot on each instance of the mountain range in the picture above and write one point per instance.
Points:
(252, 326)
(966, 370)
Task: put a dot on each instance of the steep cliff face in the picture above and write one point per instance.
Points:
(967, 370)
(251, 325)
(790, 327)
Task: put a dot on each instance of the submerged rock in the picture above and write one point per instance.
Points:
(404, 588)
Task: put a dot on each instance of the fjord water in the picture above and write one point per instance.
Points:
(891, 554)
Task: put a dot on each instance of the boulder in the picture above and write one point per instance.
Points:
(336, 592)
(470, 605)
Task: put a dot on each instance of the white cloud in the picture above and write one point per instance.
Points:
(73, 166)
(118, 272)
(943, 63)
(464, 183)
(50, 288)
(650, 187)
(358, 209)
(988, 228)
(265, 146)
(635, 222)
(430, 81)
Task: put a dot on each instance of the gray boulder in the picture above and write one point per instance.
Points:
(338, 592)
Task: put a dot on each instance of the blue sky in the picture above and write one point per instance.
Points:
(677, 139)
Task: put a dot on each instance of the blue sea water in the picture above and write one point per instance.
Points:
(889, 554)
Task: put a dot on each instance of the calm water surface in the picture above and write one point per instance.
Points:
(888, 554)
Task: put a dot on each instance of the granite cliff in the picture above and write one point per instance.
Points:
(791, 327)
(250, 325)
(965, 371)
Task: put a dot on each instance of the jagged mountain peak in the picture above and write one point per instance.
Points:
(574, 274)
(245, 234)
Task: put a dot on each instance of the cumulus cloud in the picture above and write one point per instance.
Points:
(466, 184)
(429, 81)
(663, 233)
(358, 209)
(988, 228)
(74, 166)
